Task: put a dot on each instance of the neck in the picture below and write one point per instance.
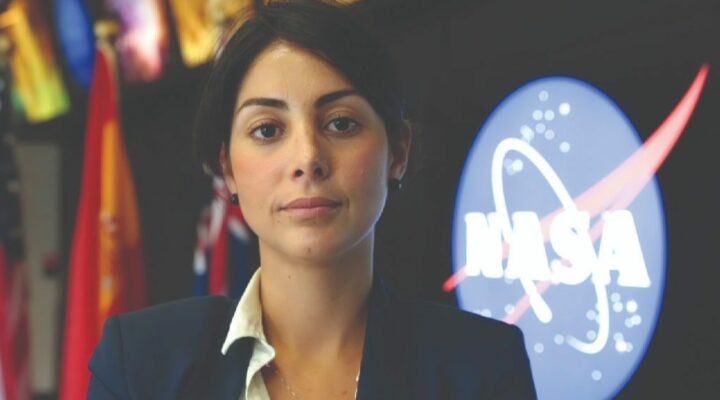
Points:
(316, 308)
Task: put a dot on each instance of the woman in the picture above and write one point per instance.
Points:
(302, 117)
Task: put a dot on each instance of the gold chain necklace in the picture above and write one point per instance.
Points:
(289, 388)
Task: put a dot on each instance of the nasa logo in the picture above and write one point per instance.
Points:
(559, 228)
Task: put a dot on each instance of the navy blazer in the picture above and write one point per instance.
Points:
(413, 350)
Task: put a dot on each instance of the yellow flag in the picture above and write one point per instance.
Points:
(200, 24)
(38, 89)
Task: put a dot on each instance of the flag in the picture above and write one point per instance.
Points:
(222, 253)
(144, 39)
(14, 334)
(38, 93)
(77, 41)
(200, 25)
(105, 275)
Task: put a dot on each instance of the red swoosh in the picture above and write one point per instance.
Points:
(621, 186)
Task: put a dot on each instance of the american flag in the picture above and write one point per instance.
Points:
(14, 335)
(223, 255)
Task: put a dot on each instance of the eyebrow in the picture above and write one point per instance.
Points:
(280, 104)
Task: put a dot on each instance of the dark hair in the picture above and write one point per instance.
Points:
(328, 31)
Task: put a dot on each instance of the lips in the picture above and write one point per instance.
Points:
(311, 208)
(311, 202)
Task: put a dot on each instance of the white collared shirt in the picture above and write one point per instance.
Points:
(247, 322)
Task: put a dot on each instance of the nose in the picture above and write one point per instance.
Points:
(312, 160)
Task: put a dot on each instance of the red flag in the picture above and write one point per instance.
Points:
(105, 276)
(14, 336)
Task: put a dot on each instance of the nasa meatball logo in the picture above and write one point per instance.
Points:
(559, 228)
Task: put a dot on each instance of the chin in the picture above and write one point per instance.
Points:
(316, 251)
(322, 248)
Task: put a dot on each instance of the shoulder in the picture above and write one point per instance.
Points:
(180, 327)
(192, 314)
(160, 343)
(467, 354)
(439, 322)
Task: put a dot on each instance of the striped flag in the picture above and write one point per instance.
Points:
(223, 250)
(14, 335)
(105, 276)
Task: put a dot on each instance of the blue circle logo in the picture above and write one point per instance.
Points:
(559, 228)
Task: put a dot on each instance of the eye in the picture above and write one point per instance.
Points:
(265, 131)
(342, 125)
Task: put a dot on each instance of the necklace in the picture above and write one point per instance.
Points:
(290, 389)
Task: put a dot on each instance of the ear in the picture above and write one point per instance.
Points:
(400, 152)
(226, 167)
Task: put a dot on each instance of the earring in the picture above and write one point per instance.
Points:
(394, 184)
(234, 199)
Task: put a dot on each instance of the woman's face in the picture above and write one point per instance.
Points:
(308, 157)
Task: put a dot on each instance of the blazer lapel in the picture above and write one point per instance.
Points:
(230, 378)
(219, 376)
(384, 366)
